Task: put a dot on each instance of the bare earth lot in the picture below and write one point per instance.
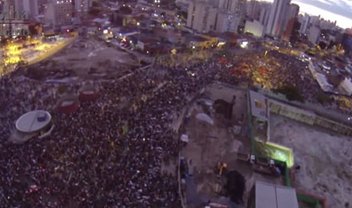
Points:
(325, 159)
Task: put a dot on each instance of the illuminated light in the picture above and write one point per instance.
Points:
(221, 44)
(244, 44)
(280, 153)
(105, 32)
(193, 47)
(138, 23)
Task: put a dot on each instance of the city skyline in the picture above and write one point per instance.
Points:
(338, 10)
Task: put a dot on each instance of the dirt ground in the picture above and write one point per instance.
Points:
(88, 59)
(325, 159)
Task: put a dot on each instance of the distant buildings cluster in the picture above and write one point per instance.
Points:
(279, 20)
(216, 15)
(16, 15)
(258, 18)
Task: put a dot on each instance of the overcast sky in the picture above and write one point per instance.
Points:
(339, 10)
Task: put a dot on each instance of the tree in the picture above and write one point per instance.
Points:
(94, 11)
(291, 92)
(323, 98)
(322, 45)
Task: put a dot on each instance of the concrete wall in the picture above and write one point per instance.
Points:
(309, 118)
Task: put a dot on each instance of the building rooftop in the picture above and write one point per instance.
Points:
(274, 196)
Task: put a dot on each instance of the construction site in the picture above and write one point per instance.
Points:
(235, 137)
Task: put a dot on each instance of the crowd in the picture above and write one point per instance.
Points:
(110, 152)
(294, 72)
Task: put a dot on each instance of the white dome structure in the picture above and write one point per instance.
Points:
(33, 121)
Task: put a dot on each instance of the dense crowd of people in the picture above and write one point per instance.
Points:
(110, 152)
(293, 71)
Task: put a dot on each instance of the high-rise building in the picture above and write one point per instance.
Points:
(304, 20)
(277, 18)
(82, 6)
(291, 19)
(237, 7)
(231, 15)
(314, 34)
(347, 42)
(26, 8)
(227, 22)
(201, 16)
(58, 12)
(8, 11)
(14, 24)
(253, 9)
(41, 6)
(228, 5)
(217, 15)
(264, 13)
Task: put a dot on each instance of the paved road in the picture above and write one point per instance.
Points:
(52, 51)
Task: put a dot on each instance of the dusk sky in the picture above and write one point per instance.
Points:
(339, 10)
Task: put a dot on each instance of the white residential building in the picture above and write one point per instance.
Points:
(276, 23)
(305, 21)
(253, 9)
(59, 13)
(227, 22)
(30, 8)
(314, 34)
(233, 6)
(290, 21)
(201, 16)
(82, 6)
(216, 15)
(264, 13)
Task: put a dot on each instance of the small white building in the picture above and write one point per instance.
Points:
(346, 86)
(323, 82)
(254, 27)
(266, 195)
